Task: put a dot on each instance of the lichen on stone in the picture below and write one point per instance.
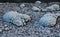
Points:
(16, 18)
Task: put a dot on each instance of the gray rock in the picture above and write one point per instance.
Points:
(16, 18)
(22, 5)
(34, 8)
(48, 20)
(51, 8)
(6, 29)
(1, 31)
(38, 2)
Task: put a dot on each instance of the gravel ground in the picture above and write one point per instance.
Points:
(10, 30)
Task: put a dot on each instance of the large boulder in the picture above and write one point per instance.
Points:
(16, 18)
(48, 20)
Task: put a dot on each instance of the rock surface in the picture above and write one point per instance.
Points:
(38, 2)
(16, 18)
(48, 19)
(35, 8)
(29, 30)
(51, 8)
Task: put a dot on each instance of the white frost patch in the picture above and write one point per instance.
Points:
(34, 8)
(16, 18)
(38, 2)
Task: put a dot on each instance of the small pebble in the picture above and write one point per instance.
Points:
(0, 30)
(6, 29)
(51, 8)
(6, 25)
(22, 5)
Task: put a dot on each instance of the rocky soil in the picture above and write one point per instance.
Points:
(29, 30)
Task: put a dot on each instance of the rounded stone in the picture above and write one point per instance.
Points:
(38, 2)
(48, 20)
(6, 29)
(51, 8)
(16, 18)
(22, 5)
(8, 16)
(34, 8)
(1, 31)
(5, 25)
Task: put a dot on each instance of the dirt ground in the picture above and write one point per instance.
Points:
(10, 30)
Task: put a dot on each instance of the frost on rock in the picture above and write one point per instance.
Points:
(38, 2)
(48, 20)
(51, 8)
(22, 5)
(16, 18)
(34, 8)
